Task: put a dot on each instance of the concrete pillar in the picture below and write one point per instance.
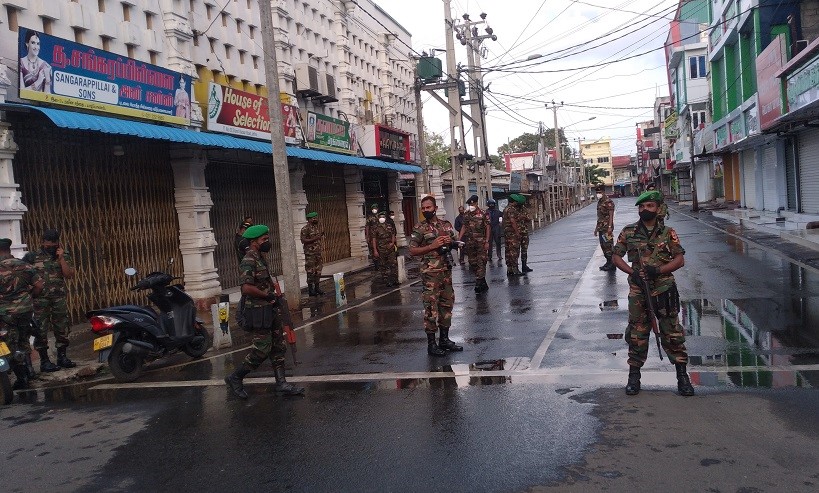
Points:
(11, 204)
(436, 186)
(196, 239)
(396, 205)
(298, 199)
(353, 177)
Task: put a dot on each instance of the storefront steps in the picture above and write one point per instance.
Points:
(802, 229)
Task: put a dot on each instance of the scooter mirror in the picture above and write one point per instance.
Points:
(130, 271)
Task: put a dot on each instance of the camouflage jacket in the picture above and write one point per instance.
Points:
(383, 234)
(605, 213)
(524, 219)
(17, 278)
(51, 271)
(254, 270)
(512, 212)
(424, 234)
(475, 223)
(657, 248)
(311, 232)
(372, 222)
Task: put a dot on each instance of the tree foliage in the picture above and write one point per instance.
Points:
(528, 142)
(595, 174)
(437, 150)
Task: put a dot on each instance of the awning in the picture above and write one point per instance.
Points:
(83, 121)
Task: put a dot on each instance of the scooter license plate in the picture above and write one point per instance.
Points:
(4, 349)
(103, 342)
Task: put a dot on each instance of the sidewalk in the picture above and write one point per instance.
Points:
(786, 233)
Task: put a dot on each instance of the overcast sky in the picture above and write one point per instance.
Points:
(623, 91)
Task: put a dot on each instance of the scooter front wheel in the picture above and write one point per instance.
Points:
(124, 366)
(198, 350)
(5, 383)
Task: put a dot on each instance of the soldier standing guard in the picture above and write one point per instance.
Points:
(512, 233)
(240, 243)
(19, 281)
(372, 221)
(495, 222)
(311, 235)
(662, 212)
(524, 223)
(604, 229)
(475, 229)
(261, 316)
(655, 252)
(431, 240)
(385, 250)
(55, 266)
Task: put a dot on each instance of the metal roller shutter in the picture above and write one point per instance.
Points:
(809, 171)
(770, 195)
(749, 177)
(327, 195)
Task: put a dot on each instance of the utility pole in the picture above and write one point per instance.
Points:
(695, 205)
(474, 108)
(460, 186)
(281, 173)
(421, 149)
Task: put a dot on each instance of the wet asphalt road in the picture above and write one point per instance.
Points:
(534, 402)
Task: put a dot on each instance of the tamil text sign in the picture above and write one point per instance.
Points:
(803, 85)
(329, 133)
(57, 71)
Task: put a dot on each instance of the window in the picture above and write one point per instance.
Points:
(47, 24)
(153, 57)
(696, 67)
(227, 52)
(252, 30)
(255, 61)
(603, 159)
(698, 117)
(224, 19)
(77, 34)
(242, 57)
(101, 5)
(149, 20)
(11, 12)
(239, 26)
(106, 43)
(131, 51)
(208, 9)
(126, 12)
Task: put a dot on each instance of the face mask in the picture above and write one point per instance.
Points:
(392, 217)
(599, 195)
(470, 208)
(382, 220)
(647, 215)
(265, 247)
(52, 250)
(428, 215)
(375, 211)
(314, 221)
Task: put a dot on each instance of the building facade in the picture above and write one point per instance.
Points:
(146, 137)
(598, 153)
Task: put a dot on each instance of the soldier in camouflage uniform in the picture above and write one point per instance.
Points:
(261, 316)
(431, 240)
(55, 266)
(655, 252)
(311, 235)
(475, 232)
(19, 281)
(662, 213)
(384, 249)
(369, 226)
(604, 229)
(512, 233)
(525, 224)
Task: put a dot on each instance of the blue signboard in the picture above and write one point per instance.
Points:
(57, 71)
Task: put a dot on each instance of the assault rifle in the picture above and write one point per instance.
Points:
(649, 303)
(287, 321)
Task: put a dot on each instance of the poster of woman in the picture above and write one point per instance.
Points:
(35, 73)
(182, 101)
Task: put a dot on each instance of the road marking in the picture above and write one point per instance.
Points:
(537, 359)
(554, 373)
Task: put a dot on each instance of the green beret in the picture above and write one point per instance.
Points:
(256, 231)
(311, 214)
(649, 196)
(374, 206)
(382, 213)
(517, 198)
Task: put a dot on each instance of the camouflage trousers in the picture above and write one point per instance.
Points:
(606, 244)
(52, 315)
(388, 264)
(524, 247)
(439, 298)
(267, 344)
(477, 255)
(313, 265)
(638, 332)
(19, 330)
(512, 251)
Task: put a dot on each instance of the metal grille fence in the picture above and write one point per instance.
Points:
(327, 195)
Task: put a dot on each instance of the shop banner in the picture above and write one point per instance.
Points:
(241, 113)
(768, 63)
(329, 133)
(392, 144)
(803, 85)
(57, 71)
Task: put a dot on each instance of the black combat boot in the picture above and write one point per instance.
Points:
(45, 364)
(283, 386)
(29, 367)
(444, 342)
(609, 265)
(22, 377)
(234, 381)
(525, 268)
(62, 358)
(683, 382)
(513, 272)
(633, 385)
(432, 348)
